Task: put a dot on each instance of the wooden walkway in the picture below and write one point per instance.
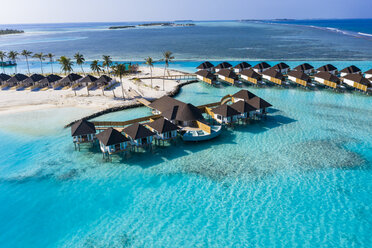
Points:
(173, 77)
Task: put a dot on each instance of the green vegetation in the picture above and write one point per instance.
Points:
(10, 31)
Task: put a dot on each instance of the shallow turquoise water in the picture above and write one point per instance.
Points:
(300, 178)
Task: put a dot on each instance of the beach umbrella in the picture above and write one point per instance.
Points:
(33, 79)
(88, 79)
(17, 78)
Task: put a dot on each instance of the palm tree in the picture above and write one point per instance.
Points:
(167, 58)
(13, 55)
(150, 62)
(2, 57)
(119, 71)
(26, 54)
(95, 66)
(80, 60)
(66, 64)
(107, 62)
(41, 57)
(50, 56)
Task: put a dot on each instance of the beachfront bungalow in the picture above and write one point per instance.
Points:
(139, 135)
(164, 129)
(299, 77)
(281, 67)
(48, 81)
(327, 79)
(245, 109)
(15, 80)
(273, 76)
(206, 66)
(103, 81)
(83, 131)
(206, 76)
(260, 105)
(350, 70)
(112, 141)
(368, 74)
(227, 75)
(4, 78)
(221, 66)
(305, 68)
(225, 114)
(242, 95)
(70, 80)
(241, 66)
(88, 80)
(32, 80)
(328, 68)
(251, 76)
(357, 81)
(261, 67)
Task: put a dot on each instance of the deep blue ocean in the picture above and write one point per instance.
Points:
(300, 178)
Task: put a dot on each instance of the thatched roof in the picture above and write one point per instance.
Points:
(164, 103)
(103, 79)
(258, 103)
(82, 127)
(50, 79)
(33, 79)
(368, 72)
(351, 69)
(327, 67)
(223, 65)
(111, 137)
(273, 73)
(358, 79)
(17, 78)
(206, 74)
(250, 73)
(242, 66)
(227, 73)
(304, 67)
(4, 77)
(262, 65)
(71, 78)
(300, 75)
(137, 131)
(225, 111)
(244, 94)
(185, 112)
(243, 107)
(88, 79)
(327, 76)
(281, 66)
(162, 125)
(205, 65)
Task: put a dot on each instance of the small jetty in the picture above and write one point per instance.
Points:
(303, 75)
(171, 119)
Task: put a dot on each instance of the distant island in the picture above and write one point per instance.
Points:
(161, 24)
(10, 31)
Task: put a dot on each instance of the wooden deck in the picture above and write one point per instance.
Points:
(173, 77)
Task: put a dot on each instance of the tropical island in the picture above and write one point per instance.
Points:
(160, 24)
(10, 31)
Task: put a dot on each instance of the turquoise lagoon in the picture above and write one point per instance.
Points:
(302, 177)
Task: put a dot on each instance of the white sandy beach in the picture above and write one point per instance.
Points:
(12, 101)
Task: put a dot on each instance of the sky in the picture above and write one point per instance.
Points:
(55, 11)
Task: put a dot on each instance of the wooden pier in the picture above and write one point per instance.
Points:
(173, 77)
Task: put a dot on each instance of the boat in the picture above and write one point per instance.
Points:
(8, 63)
(196, 134)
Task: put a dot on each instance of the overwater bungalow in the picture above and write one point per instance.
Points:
(49, 81)
(70, 80)
(139, 135)
(4, 78)
(241, 66)
(206, 76)
(225, 114)
(227, 75)
(112, 141)
(368, 74)
(357, 81)
(245, 109)
(83, 131)
(164, 103)
(327, 79)
(242, 95)
(273, 76)
(299, 77)
(15, 80)
(164, 129)
(261, 67)
(183, 115)
(350, 70)
(88, 80)
(328, 68)
(281, 67)
(305, 68)
(104, 81)
(251, 76)
(260, 104)
(223, 65)
(206, 66)
(32, 80)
